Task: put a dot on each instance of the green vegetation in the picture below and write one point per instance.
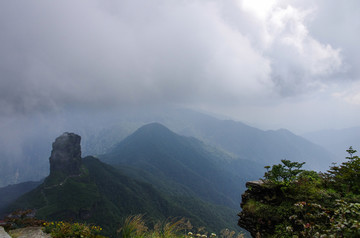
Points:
(76, 230)
(132, 227)
(103, 195)
(300, 203)
(135, 227)
(284, 174)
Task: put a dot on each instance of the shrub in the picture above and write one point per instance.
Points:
(134, 226)
(64, 229)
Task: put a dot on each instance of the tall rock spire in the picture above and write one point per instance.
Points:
(66, 154)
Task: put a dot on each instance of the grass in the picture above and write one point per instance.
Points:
(135, 227)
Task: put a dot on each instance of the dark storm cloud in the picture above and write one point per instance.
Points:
(58, 53)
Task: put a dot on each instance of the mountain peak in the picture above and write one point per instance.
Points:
(153, 129)
(153, 126)
(66, 154)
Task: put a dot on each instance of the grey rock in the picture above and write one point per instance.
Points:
(29, 232)
(66, 154)
(3, 233)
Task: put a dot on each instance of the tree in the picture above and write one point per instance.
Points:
(346, 177)
(283, 173)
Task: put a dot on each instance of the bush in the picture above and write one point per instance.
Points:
(328, 205)
(77, 230)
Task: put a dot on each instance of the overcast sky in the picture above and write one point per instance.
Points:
(272, 64)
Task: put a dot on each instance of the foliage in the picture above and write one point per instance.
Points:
(283, 173)
(313, 220)
(346, 177)
(64, 229)
(21, 218)
(311, 204)
(135, 227)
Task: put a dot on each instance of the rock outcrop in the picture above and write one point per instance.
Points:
(256, 195)
(66, 154)
(29, 232)
(3, 233)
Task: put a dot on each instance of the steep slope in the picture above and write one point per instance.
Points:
(184, 163)
(94, 192)
(87, 197)
(10, 193)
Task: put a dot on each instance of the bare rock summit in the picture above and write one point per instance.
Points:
(66, 154)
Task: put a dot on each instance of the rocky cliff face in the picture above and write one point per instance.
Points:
(66, 154)
(255, 200)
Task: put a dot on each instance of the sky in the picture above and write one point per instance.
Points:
(269, 63)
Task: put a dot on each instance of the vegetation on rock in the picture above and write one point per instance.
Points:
(292, 202)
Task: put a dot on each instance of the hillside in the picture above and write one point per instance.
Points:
(185, 163)
(11, 192)
(94, 192)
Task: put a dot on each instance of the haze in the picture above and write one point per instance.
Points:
(270, 64)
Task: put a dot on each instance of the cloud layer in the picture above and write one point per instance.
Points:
(209, 53)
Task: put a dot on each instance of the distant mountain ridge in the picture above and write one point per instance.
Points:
(336, 141)
(101, 133)
(264, 147)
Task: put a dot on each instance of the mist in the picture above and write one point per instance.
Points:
(81, 66)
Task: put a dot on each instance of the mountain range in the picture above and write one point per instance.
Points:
(100, 134)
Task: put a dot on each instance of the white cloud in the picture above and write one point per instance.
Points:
(349, 94)
(300, 62)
